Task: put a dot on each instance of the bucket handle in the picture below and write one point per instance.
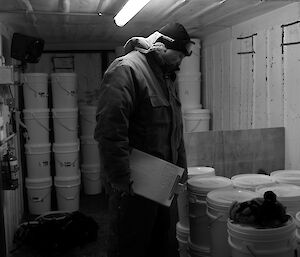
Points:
(70, 197)
(216, 219)
(62, 163)
(39, 199)
(41, 124)
(71, 92)
(195, 127)
(41, 94)
(70, 129)
(193, 199)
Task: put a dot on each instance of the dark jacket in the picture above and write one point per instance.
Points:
(138, 108)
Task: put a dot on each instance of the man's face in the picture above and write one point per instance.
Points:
(173, 59)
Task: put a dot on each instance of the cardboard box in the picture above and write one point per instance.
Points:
(154, 178)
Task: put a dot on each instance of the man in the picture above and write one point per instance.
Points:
(139, 108)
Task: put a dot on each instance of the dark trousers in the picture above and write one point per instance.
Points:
(138, 227)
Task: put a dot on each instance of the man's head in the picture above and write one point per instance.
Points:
(177, 42)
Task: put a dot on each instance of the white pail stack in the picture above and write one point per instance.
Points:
(35, 90)
(218, 205)
(64, 90)
(91, 179)
(65, 122)
(287, 176)
(182, 235)
(38, 160)
(182, 199)
(196, 120)
(189, 79)
(37, 124)
(38, 194)
(198, 188)
(67, 193)
(287, 194)
(66, 147)
(87, 120)
(247, 241)
(37, 148)
(252, 181)
(89, 151)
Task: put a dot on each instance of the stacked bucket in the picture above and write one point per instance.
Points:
(66, 145)
(38, 147)
(90, 168)
(189, 84)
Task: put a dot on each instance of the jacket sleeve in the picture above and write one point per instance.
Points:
(182, 162)
(115, 105)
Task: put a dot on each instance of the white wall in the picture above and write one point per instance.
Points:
(260, 90)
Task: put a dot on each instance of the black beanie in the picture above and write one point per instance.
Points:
(180, 36)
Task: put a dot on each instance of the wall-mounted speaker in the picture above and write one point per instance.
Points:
(26, 48)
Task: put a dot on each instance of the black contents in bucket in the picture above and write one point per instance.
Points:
(264, 212)
(55, 234)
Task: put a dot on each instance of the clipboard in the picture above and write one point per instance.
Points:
(154, 178)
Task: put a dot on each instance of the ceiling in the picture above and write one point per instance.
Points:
(75, 24)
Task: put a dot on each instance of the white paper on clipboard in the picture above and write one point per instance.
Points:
(154, 178)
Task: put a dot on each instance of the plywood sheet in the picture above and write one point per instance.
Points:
(237, 151)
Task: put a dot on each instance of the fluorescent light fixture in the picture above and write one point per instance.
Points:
(130, 9)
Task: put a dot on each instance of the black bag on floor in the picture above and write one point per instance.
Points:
(57, 232)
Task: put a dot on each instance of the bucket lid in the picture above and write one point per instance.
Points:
(284, 192)
(62, 110)
(207, 184)
(252, 180)
(38, 182)
(90, 168)
(201, 171)
(63, 74)
(37, 148)
(196, 111)
(223, 198)
(65, 148)
(287, 176)
(67, 181)
(30, 111)
(36, 74)
(182, 229)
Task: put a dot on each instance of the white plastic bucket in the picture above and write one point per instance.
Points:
(247, 241)
(65, 122)
(66, 159)
(39, 194)
(87, 120)
(191, 64)
(287, 176)
(196, 120)
(189, 91)
(89, 150)
(297, 221)
(198, 189)
(182, 235)
(38, 160)
(218, 205)
(37, 124)
(197, 251)
(91, 179)
(35, 90)
(287, 194)
(182, 199)
(252, 181)
(67, 193)
(64, 90)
